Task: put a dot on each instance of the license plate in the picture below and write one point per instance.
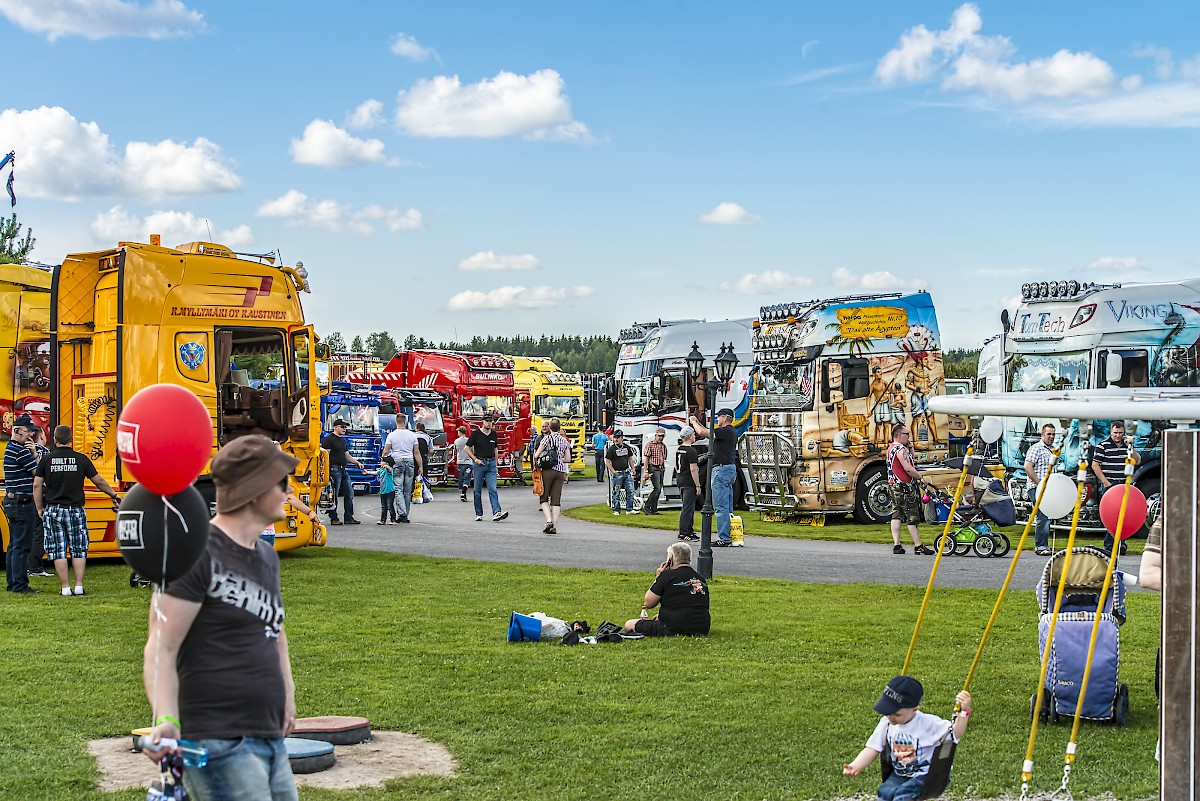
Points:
(360, 487)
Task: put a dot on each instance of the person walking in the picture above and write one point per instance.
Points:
(600, 445)
(618, 459)
(1038, 461)
(903, 478)
(58, 496)
(481, 447)
(552, 446)
(687, 476)
(387, 491)
(722, 461)
(424, 445)
(462, 463)
(1108, 463)
(405, 449)
(19, 467)
(654, 459)
(339, 479)
(216, 666)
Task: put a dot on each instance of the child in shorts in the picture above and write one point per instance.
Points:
(910, 734)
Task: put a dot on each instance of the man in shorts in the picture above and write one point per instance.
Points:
(58, 496)
(902, 477)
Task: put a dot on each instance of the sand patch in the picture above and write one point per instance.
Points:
(388, 755)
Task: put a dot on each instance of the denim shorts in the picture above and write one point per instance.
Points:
(66, 532)
(242, 769)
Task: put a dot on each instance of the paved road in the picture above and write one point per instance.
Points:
(447, 528)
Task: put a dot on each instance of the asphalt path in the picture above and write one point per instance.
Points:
(447, 528)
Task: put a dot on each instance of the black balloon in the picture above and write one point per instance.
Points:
(147, 528)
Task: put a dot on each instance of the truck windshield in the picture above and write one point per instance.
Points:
(633, 393)
(431, 416)
(786, 386)
(362, 419)
(1033, 372)
(476, 405)
(552, 406)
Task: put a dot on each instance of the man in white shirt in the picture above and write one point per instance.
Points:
(402, 446)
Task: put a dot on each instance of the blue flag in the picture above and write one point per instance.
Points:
(9, 186)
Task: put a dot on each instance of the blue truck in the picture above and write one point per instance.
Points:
(360, 409)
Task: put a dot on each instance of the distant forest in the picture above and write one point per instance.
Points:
(572, 354)
(960, 363)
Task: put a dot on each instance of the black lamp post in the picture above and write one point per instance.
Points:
(725, 363)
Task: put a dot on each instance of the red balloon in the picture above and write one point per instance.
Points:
(1135, 511)
(164, 438)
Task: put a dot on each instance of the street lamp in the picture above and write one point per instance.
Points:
(725, 363)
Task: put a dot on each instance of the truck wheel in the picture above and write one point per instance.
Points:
(1151, 487)
(872, 504)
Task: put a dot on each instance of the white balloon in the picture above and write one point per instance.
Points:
(990, 429)
(1059, 499)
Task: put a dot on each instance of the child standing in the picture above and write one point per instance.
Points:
(910, 735)
(387, 491)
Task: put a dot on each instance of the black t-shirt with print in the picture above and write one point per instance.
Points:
(684, 604)
(62, 471)
(619, 455)
(337, 447)
(685, 457)
(725, 445)
(483, 445)
(230, 678)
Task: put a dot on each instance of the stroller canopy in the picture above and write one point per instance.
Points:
(994, 501)
(1083, 582)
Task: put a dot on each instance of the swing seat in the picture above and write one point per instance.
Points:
(937, 778)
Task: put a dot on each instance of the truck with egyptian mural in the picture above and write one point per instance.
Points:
(548, 392)
(1073, 335)
(832, 379)
(141, 314)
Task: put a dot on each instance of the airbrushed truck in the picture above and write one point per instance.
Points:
(1073, 335)
(833, 378)
(141, 314)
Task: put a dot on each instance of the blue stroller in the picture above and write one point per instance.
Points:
(1107, 699)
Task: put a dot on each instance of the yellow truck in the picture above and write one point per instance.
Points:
(141, 314)
(548, 392)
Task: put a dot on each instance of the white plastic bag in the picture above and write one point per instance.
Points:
(552, 627)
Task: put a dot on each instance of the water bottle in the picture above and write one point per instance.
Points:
(644, 614)
(194, 756)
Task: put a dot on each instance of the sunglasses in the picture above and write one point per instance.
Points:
(285, 484)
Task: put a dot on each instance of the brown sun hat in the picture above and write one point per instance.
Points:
(246, 468)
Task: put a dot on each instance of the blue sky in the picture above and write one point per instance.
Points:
(461, 169)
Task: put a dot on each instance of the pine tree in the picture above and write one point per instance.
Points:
(14, 249)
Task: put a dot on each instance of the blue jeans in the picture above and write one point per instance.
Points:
(485, 473)
(465, 477)
(619, 479)
(405, 472)
(243, 769)
(898, 788)
(340, 481)
(387, 506)
(22, 519)
(1041, 526)
(722, 488)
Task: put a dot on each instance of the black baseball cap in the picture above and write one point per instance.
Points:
(902, 692)
(25, 421)
(618, 433)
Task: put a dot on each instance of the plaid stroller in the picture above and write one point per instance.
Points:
(1107, 699)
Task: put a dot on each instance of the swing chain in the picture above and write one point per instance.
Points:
(1064, 791)
(1024, 791)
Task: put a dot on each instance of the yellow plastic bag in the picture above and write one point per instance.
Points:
(735, 530)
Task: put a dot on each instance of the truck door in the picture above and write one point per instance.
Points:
(303, 391)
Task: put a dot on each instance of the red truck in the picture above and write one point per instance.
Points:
(471, 384)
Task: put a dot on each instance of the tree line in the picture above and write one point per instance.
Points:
(960, 363)
(572, 354)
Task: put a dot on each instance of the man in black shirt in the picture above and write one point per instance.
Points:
(19, 464)
(1108, 463)
(687, 476)
(481, 447)
(683, 594)
(722, 465)
(339, 457)
(216, 665)
(58, 495)
(617, 459)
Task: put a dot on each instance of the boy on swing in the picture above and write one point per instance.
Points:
(910, 734)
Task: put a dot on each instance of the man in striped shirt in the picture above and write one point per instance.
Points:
(19, 464)
(1108, 463)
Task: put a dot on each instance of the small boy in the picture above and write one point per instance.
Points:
(387, 491)
(911, 734)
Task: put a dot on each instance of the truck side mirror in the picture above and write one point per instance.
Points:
(610, 387)
(825, 383)
(1114, 368)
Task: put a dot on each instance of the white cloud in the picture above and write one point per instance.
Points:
(881, 281)
(729, 214)
(767, 282)
(296, 210)
(921, 52)
(368, 114)
(534, 106)
(1065, 74)
(408, 47)
(1117, 264)
(176, 227)
(325, 145)
(102, 19)
(488, 260)
(517, 297)
(64, 159)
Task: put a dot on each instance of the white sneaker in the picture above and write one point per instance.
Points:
(478, 518)
(635, 512)
(737, 544)
(496, 518)
(616, 513)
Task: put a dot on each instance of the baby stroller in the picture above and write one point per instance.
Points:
(972, 529)
(1107, 699)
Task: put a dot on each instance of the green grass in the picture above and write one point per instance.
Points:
(836, 528)
(768, 707)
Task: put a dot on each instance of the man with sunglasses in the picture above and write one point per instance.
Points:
(216, 665)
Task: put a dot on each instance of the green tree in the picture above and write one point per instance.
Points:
(382, 345)
(959, 363)
(14, 249)
(357, 345)
(335, 342)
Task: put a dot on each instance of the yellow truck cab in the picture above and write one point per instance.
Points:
(549, 392)
(143, 314)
